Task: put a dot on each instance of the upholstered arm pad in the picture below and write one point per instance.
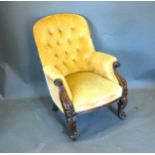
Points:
(102, 64)
(54, 74)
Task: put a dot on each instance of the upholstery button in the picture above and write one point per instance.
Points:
(72, 28)
(64, 63)
(69, 41)
(74, 60)
(56, 55)
(48, 44)
(50, 33)
(77, 49)
(58, 43)
(59, 31)
(65, 51)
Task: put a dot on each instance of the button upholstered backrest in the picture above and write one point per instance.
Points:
(64, 42)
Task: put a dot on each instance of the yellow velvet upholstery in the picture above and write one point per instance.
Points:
(67, 52)
(91, 90)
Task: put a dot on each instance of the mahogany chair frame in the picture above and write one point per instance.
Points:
(69, 109)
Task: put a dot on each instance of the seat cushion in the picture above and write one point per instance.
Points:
(91, 90)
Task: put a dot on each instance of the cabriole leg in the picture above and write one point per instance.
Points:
(68, 109)
(121, 106)
(123, 101)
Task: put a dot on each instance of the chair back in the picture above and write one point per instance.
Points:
(64, 42)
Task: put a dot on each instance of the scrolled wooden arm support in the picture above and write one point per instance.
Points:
(123, 100)
(65, 101)
(67, 107)
(120, 79)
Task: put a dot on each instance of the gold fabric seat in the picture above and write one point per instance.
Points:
(79, 78)
(91, 90)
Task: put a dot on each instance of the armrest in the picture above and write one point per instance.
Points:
(56, 75)
(102, 64)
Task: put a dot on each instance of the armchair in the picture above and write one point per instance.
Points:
(79, 78)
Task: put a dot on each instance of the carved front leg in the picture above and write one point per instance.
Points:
(71, 119)
(68, 109)
(123, 101)
(72, 127)
(121, 106)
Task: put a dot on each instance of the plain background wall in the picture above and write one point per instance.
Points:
(124, 29)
